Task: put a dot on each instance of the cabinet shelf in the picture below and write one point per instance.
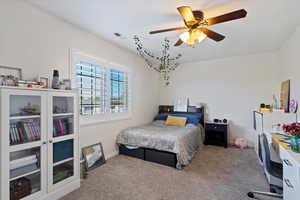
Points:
(62, 114)
(25, 117)
(63, 161)
(23, 175)
(29, 145)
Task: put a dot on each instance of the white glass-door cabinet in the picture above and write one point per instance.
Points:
(38, 143)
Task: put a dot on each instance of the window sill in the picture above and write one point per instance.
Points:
(90, 121)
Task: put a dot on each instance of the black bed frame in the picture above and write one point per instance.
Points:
(153, 155)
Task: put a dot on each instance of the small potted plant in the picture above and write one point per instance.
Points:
(294, 130)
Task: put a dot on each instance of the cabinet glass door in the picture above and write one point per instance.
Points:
(26, 133)
(62, 138)
(25, 117)
(25, 173)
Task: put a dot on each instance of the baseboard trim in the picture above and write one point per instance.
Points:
(68, 188)
(112, 154)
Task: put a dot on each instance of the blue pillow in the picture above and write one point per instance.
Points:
(192, 118)
(162, 116)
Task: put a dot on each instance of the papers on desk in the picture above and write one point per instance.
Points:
(282, 139)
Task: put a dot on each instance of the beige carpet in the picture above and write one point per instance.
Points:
(215, 174)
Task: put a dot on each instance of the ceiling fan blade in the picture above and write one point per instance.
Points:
(227, 17)
(187, 14)
(166, 30)
(212, 35)
(178, 43)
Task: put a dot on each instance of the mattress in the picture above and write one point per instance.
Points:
(183, 141)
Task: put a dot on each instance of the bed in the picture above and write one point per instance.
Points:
(168, 145)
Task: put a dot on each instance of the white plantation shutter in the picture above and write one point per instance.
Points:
(102, 89)
(91, 82)
(118, 91)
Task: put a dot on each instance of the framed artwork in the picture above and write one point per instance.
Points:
(93, 156)
(44, 81)
(14, 71)
(285, 96)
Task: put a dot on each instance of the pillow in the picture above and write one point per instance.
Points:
(192, 118)
(162, 116)
(176, 121)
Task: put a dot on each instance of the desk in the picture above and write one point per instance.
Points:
(291, 167)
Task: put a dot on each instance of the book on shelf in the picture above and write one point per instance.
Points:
(22, 162)
(24, 131)
(62, 127)
(23, 170)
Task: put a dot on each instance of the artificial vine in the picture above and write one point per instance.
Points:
(166, 63)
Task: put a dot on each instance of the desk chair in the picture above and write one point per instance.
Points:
(272, 170)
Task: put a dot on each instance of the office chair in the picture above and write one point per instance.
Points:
(273, 171)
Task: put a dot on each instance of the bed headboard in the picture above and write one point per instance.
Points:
(191, 109)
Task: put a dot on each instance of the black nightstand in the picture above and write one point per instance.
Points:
(216, 134)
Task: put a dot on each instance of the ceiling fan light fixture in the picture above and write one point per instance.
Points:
(184, 36)
(201, 37)
(189, 37)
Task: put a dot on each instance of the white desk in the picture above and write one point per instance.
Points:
(291, 170)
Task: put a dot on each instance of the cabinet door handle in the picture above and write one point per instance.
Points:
(44, 143)
(50, 141)
(287, 162)
(288, 183)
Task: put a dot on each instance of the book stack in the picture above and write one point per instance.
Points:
(24, 131)
(62, 127)
(23, 165)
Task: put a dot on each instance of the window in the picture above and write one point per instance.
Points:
(119, 91)
(102, 89)
(90, 79)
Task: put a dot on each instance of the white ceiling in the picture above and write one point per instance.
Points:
(268, 24)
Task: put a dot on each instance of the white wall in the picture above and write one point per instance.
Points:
(290, 63)
(231, 88)
(36, 42)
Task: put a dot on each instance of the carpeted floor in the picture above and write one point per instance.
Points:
(215, 174)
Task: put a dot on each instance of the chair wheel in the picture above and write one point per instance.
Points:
(250, 195)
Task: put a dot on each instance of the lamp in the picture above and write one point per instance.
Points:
(189, 37)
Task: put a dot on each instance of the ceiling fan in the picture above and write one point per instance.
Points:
(196, 25)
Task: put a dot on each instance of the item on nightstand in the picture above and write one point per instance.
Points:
(55, 80)
(217, 121)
